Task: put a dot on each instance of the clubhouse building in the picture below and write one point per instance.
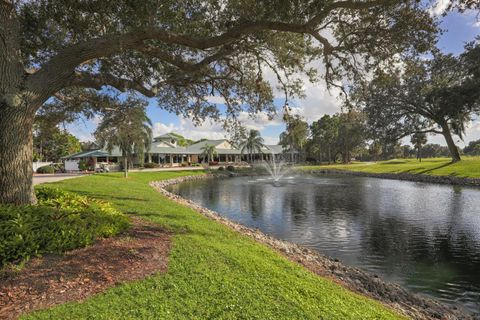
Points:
(165, 151)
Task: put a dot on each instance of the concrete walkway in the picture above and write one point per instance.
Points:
(44, 178)
(171, 169)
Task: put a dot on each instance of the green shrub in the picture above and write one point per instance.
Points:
(231, 168)
(61, 221)
(82, 165)
(46, 169)
(221, 168)
(151, 165)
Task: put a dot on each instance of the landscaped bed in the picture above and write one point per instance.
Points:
(54, 279)
(213, 272)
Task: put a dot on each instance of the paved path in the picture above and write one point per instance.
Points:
(44, 178)
(171, 169)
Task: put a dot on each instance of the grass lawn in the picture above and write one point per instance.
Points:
(213, 272)
(469, 167)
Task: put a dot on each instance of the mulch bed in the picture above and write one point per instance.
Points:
(54, 279)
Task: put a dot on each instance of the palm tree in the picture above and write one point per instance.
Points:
(127, 127)
(208, 151)
(252, 144)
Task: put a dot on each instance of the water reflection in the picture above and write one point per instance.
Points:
(423, 236)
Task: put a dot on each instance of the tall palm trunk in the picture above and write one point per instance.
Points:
(125, 164)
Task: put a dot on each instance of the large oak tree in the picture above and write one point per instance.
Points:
(438, 95)
(56, 54)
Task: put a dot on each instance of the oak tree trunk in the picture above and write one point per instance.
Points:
(16, 115)
(450, 143)
(16, 156)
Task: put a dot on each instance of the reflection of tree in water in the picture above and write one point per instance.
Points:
(295, 204)
(431, 257)
(422, 236)
(208, 191)
(254, 198)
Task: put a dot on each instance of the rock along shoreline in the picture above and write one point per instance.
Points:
(451, 180)
(364, 283)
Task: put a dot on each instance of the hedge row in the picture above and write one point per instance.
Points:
(61, 221)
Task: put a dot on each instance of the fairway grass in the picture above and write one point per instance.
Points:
(468, 167)
(213, 272)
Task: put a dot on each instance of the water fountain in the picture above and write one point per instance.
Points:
(276, 168)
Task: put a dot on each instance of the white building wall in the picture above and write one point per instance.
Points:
(39, 164)
(71, 165)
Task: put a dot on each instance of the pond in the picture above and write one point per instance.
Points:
(425, 237)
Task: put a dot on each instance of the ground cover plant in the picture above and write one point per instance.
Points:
(61, 221)
(469, 167)
(213, 272)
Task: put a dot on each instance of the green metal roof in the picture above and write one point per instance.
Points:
(88, 154)
(274, 148)
(166, 136)
(196, 148)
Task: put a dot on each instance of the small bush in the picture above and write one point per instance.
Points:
(184, 164)
(61, 221)
(221, 168)
(151, 165)
(58, 167)
(46, 169)
(82, 165)
(231, 168)
(213, 163)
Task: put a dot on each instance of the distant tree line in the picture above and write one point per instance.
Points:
(439, 94)
(347, 136)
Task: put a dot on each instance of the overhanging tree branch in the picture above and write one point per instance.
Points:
(97, 81)
(59, 69)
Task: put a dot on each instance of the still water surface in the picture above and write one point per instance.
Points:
(425, 237)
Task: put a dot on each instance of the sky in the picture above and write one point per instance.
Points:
(458, 30)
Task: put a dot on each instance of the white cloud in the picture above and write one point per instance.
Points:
(215, 99)
(258, 121)
(270, 140)
(439, 7)
(318, 102)
(82, 129)
(208, 129)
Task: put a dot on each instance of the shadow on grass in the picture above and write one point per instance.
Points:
(435, 168)
(107, 197)
(393, 162)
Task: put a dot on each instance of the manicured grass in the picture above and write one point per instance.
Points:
(469, 167)
(213, 273)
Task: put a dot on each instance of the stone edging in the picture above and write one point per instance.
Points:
(392, 295)
(473, 182)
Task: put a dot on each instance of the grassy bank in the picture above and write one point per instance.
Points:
(213, 272)
(469, 167)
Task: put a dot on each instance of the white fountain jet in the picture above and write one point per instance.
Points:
(276, 168)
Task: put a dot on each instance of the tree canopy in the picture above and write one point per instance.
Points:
(51, 144)
(438, 95)
(57, 55)
(126, 127)
(253, 143)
